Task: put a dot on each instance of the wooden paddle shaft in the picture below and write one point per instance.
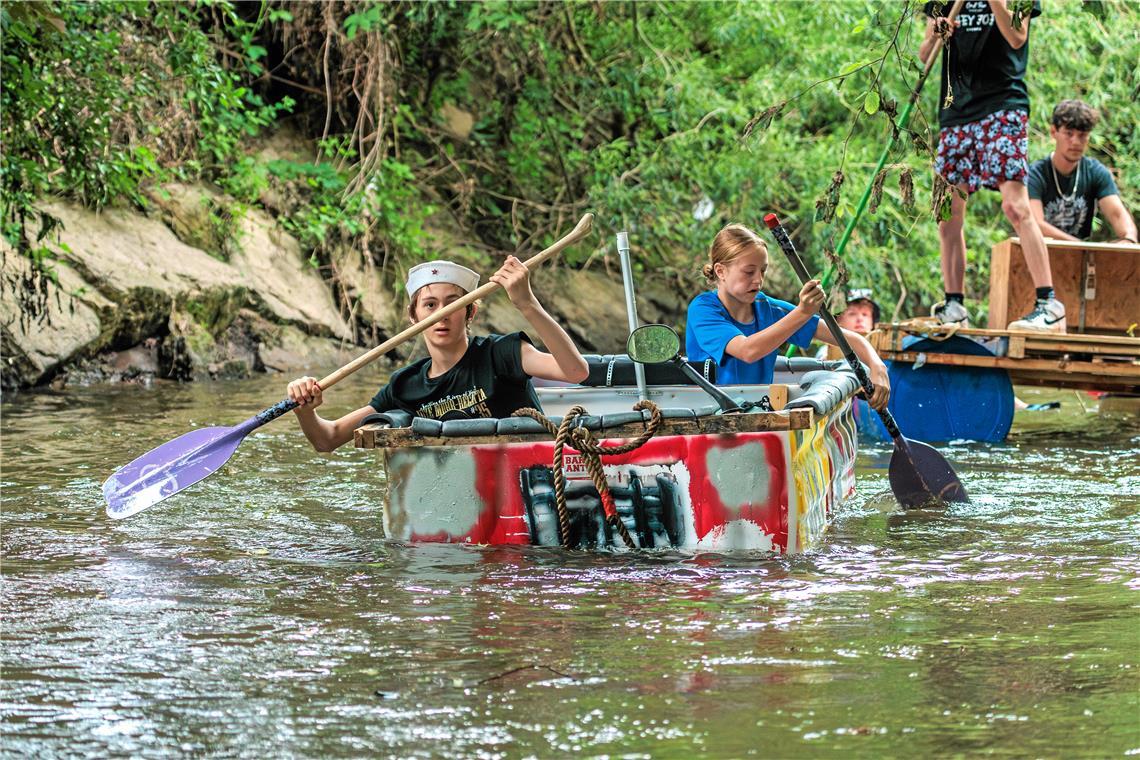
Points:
(580, 231)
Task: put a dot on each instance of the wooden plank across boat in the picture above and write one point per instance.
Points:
(1073, 360)
(768, 479)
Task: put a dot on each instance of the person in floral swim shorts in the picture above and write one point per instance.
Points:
(984, 153)
(983, 144)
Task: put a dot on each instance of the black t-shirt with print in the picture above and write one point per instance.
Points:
(984, 74)
(488, 381)
(1070, 211)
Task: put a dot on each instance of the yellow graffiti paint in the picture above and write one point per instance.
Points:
(822, 473)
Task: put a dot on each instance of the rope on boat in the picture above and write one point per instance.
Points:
(929, 327)
(583, 441)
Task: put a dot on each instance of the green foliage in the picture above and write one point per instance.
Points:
(639, 111)
(362, 21)
(668, 119)
(99, 98)
(871, 103)
(324, 213)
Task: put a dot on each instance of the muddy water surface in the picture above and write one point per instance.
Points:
(262, 613)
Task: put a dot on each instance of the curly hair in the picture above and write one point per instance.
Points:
(1075, 114)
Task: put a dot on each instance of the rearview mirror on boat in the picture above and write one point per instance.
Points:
(653, 344)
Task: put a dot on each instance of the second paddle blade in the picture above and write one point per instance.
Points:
(168, 469)
(921, 477)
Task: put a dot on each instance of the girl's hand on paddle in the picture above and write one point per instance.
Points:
(882, 382)
(305, 392)
(811, 296)
(515, 279)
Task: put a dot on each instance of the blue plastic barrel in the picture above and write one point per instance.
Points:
(867, 423)
(942, 402)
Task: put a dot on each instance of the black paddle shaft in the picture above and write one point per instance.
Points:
(797, 263)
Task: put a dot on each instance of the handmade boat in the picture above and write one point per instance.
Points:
(766, 479)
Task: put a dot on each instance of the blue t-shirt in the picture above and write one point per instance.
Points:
(710, 327)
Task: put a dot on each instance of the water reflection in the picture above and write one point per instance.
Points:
(261, 613)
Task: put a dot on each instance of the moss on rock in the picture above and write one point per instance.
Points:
(140, 313)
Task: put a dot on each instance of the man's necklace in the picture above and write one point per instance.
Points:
(1076, 181)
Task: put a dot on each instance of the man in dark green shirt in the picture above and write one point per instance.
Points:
(1066, 188)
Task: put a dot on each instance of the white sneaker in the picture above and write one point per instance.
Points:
(951, 313)
(1047, 316)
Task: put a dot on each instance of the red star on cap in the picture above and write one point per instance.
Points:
(435, 271)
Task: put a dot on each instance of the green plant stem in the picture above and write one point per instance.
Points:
(904, 121)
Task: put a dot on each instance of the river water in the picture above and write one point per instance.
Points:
(261, 613)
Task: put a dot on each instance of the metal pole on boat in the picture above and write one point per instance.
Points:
(631, 306)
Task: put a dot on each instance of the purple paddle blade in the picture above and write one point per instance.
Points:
(921, 477)
(171, 467)
(179, 463)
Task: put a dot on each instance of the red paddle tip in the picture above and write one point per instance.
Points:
(771, 221)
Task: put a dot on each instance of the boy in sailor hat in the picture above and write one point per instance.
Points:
(462, 376)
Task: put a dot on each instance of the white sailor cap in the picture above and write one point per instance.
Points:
(431, 272)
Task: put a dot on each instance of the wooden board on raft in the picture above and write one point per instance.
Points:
(1097, 282)
(381, 437)
(1088, 362)
(1016, 344)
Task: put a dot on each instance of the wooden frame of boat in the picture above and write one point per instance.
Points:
(1095, 281)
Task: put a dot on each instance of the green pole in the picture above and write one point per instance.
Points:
(904, 120)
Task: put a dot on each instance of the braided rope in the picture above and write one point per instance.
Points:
(583, 441)
(930, 327)
(559, 476)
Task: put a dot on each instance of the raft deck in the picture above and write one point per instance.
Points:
(1097, 282)
(1074, 360)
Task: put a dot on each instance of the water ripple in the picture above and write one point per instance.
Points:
(261, 612)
